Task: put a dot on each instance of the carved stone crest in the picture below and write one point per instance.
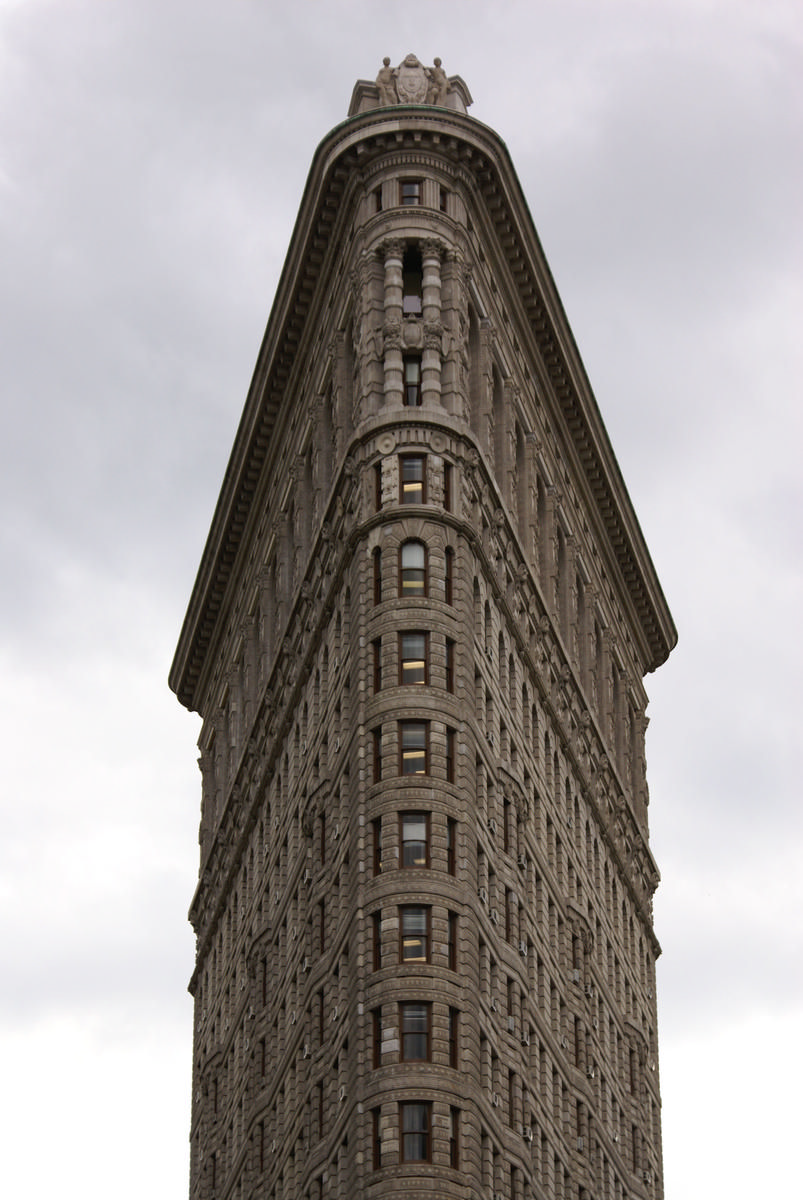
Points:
(412, 83)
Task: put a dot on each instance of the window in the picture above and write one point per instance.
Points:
(415, 1132)
(448, 576)
(376, 939)
(413, 658)
(376, 651)
(413, 747)
(377, 486)
(376, 735)
(414, 934)
(443, 197)
(447, 487)
(412, 483)
(450, 747)
(449, 665)
(376, 1138)
(376, 1037)
(451, 845)
(410, 191)
(414, 838)
(454, 1023)
(378, 199)
(377, 558)
(415, 1021)
(412, 380)
(451, 945)
(376, 826)
(412, 282)
(454, 1139)
(413, 569)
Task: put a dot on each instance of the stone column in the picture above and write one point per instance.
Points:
(393, 252)
(433, 328)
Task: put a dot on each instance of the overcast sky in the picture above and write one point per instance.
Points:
(153, 155)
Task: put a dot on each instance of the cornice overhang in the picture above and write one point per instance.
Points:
(350, 147)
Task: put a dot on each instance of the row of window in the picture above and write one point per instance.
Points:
(413, 750)
(413, 660)
(415, 1134)
(410, 194)
(415, 936)
(413, 576)
(414, 840)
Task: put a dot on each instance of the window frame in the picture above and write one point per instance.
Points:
(422, 593)
(451, 940)
(412, 389)
(405, 1010)
(425, 937)
(406, 727)
(403, 842)
(410, 199)
(407, 1107)
(405, 658)
(404, 460)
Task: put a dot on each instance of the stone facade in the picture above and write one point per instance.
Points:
(417, 640)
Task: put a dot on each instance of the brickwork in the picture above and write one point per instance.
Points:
(426, 959)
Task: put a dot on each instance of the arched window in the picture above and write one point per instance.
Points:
(413, 569)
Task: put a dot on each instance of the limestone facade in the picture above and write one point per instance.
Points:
(417, 640)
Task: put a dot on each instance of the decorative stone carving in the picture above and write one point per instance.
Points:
(412, 83)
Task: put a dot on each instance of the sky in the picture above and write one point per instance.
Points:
(153, 155)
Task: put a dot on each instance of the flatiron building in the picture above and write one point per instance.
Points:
(417, 642)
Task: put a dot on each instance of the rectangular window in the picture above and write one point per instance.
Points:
(376, 735)
(376, 1138)
(376, 939)
(451, 738)
(415, 1020)
(414, 1119)
(448, 576)
(451, 846)
(454, 1024)
(414, 658)
(323, 839)
(443, 197)
(376, 826)
(377, 576)
(449, 665)
(451, 946)
(412, 380)
(376, 1037)
(447, 487)
(454, 1139)
(378, 199)
(412, 481)
(377, 486)
(414, 838)
(414, 934)
(413, 747)
(409, 191)
(376, 651)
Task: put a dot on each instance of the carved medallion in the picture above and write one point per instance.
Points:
(411, 81)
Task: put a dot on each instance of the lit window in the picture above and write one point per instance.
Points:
(413, 569)
(413, 747)
(414, 935)
(412, 380)
(415, 1032)
(415, 839)
(410, 191)
(412, 483)
(413, 658)
(415, 1134)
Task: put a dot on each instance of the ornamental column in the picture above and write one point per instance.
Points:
(431, 357)
(393, 252)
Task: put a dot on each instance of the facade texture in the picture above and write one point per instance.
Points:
(425, 948)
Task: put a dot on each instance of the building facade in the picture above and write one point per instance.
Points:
(417, 639)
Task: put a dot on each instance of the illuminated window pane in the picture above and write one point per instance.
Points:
(415, 935)
(413, 658)
(412, 382)
(412, 479)
(414, 748)
(413, 569)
